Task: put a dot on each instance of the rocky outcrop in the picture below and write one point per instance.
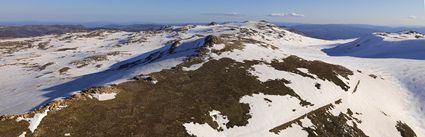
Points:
(211, 40)
(174, 46)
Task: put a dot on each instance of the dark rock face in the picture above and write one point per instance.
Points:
(211, 40)
(405, 130)
(173, 46)
(212, 23)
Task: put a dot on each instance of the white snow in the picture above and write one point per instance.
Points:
(394, 96)
(252, 52)
(24, 86)
(303, 86)
(193, 67)
(265, 117)
(396, 57)
(201, 130)
(400, 36)
(265, 72)
(306, 122)
(372, 101)
(218, 46)
(27, 86)
(404, 78)
(35, 121)
(294, 131)
(104, 96)
(23, 134)
(392, 45)
(220, 119)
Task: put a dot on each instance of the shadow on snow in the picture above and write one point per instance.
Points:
(378, 48)
(124, 70)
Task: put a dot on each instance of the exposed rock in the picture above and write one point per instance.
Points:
(66, 49)
(405, 130)
(63, 70)
(174, 46)
(88, 60)
(212, 23)
(211, 40)
(45, 65)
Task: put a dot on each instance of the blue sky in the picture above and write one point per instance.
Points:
(378, 12)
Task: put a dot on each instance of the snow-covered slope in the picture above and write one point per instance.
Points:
(30, 72)
(403, 45)
(235, 79)
(399, 55)
(34, 68)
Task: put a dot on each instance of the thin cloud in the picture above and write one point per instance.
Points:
(233, 14)
(286, 15)
(412, 17)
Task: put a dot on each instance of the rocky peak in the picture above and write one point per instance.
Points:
(211, 40)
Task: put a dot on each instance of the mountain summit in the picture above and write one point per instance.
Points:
(234, 79)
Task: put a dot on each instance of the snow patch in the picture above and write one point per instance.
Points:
(252, 52)
(35, 121)
(104, 96)
(265, 116)
(306, 122)
(265, 72)
(193, 67)
(23, 134)
(202, 130)
(218, 47)
(220, 119)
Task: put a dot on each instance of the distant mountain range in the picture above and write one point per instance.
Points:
(37, 30)
(21, 31)
(344, 31)
(321, 31)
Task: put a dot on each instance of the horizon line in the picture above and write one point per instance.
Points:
(104, 23)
